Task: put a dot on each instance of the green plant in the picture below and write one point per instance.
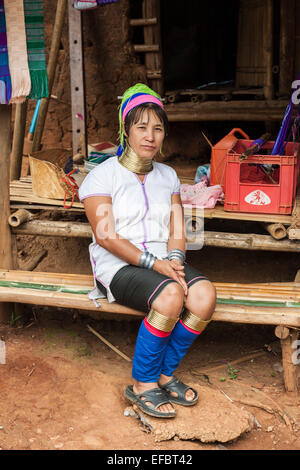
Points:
(232, 372)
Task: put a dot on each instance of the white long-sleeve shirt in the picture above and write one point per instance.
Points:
(141, 212)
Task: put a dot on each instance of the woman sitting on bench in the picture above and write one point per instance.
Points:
(138, 253)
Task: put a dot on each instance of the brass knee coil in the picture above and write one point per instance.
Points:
(192, 321)
(161, 322)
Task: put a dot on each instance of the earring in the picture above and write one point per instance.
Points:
(161, 151)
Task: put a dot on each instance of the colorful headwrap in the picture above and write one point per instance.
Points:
(134, 96)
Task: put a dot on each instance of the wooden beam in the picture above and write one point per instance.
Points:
(77, 81)
(142, 21)
(18, 141)
(53, 55)
(227, 111)
(6, 257)
(146, 47)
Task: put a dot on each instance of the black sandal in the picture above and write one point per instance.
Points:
(175, 385)
(156, 396)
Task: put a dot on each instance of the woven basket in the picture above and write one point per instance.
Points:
(47, 176)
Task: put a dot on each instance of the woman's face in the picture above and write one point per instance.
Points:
(147, 135)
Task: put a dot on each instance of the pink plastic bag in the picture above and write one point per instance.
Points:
(201, 195)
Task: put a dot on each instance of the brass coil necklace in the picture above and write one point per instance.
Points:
(130, 160)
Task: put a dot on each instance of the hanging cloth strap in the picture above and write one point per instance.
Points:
(71, 183)
(17, 50)
(5, 80)
(34, 26)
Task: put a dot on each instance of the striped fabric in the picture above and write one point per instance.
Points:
(5, 80)
(17, 50)
(34, 24)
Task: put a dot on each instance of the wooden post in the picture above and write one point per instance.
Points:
(287, 46)
(54, 50)
(6, 260)
(18, 141)
(77, 81)
(287, 338)
(269, 49)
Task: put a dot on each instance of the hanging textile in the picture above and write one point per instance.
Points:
(17, 50)
(104, 2)
(34, 26)
(85, 4)
(5, 80)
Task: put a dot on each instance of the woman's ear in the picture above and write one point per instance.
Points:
(124, 131)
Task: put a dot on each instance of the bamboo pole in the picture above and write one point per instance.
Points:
(217, 239)
(18, 141)
(53, 55)
(6, 259)
(19, 217)
(278, 231)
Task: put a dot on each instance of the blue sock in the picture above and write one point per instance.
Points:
(149, 353)
(180, 340)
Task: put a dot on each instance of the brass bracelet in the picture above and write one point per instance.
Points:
(192, 321)
(161, 322)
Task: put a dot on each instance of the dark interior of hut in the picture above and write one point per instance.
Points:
(199, 41)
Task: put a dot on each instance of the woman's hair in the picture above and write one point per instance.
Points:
(136, 113)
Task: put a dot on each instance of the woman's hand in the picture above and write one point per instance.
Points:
(172, 269)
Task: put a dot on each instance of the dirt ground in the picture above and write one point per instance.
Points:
(62, 388)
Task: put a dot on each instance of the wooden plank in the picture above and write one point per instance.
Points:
(79, 137)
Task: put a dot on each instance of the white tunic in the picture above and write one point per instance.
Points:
(141, 212)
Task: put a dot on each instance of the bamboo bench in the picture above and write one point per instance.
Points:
(275, 304)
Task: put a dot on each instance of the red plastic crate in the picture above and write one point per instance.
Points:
(247, 189)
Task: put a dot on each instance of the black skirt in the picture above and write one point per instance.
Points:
(137, 287)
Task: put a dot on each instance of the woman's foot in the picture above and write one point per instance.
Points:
(190, 395)
(140, 387)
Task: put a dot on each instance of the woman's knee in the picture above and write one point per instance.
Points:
(170, 300)
(201, 299)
